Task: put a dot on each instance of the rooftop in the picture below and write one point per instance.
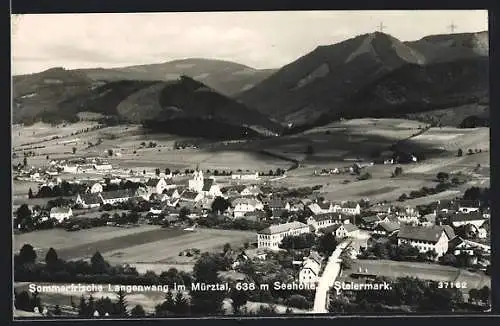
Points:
(280, 228)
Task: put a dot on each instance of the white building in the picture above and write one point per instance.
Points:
(322, 221)
(425, 238)
(309, 272)
(205, 186)
(91, 200)
(351, 208)
(246, 205)
(102, 166)
(272, 236)
(61, 213)
(96, 188)
(158, 185)
(245, 176)
(71, 168)
(475, 218)
(251, 191)
(468, 206)
(342, 230)
(118, 196)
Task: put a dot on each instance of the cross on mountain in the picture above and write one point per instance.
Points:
(381, 27)
(452, 27)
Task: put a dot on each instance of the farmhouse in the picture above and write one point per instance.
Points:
(271, 237)
(246, 205)
(210, 188)
(425, 238)
(245, 176)
(172, 193)
(475, 218)
(191, 196)
(89, 200)
(309, 272)
(118, 196)
(370, 222)
(253, 191)
(277, 204)
(468, 206)
(351, 208)
(102, 166)
(342, 230)
(158, 185)
(386, 228)
(61, 213)
(71, 169)
(96, 188)
(322, 208)
(321, 221)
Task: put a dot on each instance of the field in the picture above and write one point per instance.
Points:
(144, 244)
(63, 240)
(425, 271)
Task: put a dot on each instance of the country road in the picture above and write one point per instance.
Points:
(326, 281)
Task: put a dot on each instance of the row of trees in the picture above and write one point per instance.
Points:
(417, 295)
(446, 182)
(403, 252)
(98, 270)
(470, 151)
(90, 307)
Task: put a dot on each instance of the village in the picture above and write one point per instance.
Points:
(90, 193)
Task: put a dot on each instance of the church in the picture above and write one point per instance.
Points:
(206, 186)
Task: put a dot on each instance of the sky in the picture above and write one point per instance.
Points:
(257, 39)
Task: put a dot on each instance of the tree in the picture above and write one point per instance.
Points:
(327, 244)
(57, 310)
(167, 306)
(22, 301)
(181, 304)
(403, 197)
(460, 153)
(219, 205)
(99, 265)
(239, 299)
(205, 270)
(183, 213)
(448, 259)
(82, 307)
(27, 254)
(470, 151)
(484, 294)
(110, 152)
(157, 172)
(226, 248)
(73, 150)
(398, 171)
(138, 311)
(442, 177)
(121, 304)
(167, 171)
(51, 258)
(30, 193)
(25, 162)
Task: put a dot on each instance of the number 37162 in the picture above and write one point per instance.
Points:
(452, 285)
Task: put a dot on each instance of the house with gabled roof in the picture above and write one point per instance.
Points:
(119, 196)
(387, 228)
(89, 200)
(459, 219)
(191, 196)
(425, 238)
(241, 206)
(158, 185)
(351, 208)
(310, 269)
(468, 206)
(61, 213)
(251, 191)
(321, 221)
